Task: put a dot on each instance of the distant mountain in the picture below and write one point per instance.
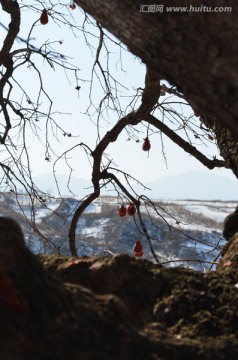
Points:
(195, 185)
(66, 186)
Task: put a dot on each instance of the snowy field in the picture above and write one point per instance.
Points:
(101, 229)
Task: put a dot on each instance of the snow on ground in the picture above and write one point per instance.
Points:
(213, 210)
(209, 212)
(92, 230)
(210, 209)
(96, 231)
(41, 210)
(194, 227)
(93, 208)
(182, 211)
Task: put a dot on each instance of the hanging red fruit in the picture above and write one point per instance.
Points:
(72, 6)
(44, 17)
(131, 210)
(138, 249)
(122, 211)
(146, 144)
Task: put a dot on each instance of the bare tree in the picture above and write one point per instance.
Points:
(23, 109)
(154, 106)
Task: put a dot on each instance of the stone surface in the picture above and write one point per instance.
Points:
(231, 225)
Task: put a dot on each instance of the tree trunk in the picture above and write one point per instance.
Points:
(229, 262)
(226, 142)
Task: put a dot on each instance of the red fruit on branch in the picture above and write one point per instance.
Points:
(122, 211)
(138, 249)
(146, 144)
(44, 17)
(72, 6)
(131, 210)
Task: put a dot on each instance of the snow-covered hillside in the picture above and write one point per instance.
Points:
(179, 230)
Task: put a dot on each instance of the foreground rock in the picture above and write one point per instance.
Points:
(54, 307)
(229, 262)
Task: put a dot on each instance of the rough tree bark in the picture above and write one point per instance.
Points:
(196, 51)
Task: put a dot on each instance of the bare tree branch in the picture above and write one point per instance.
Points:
(210, 164)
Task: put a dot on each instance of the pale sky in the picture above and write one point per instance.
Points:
(127, 155)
